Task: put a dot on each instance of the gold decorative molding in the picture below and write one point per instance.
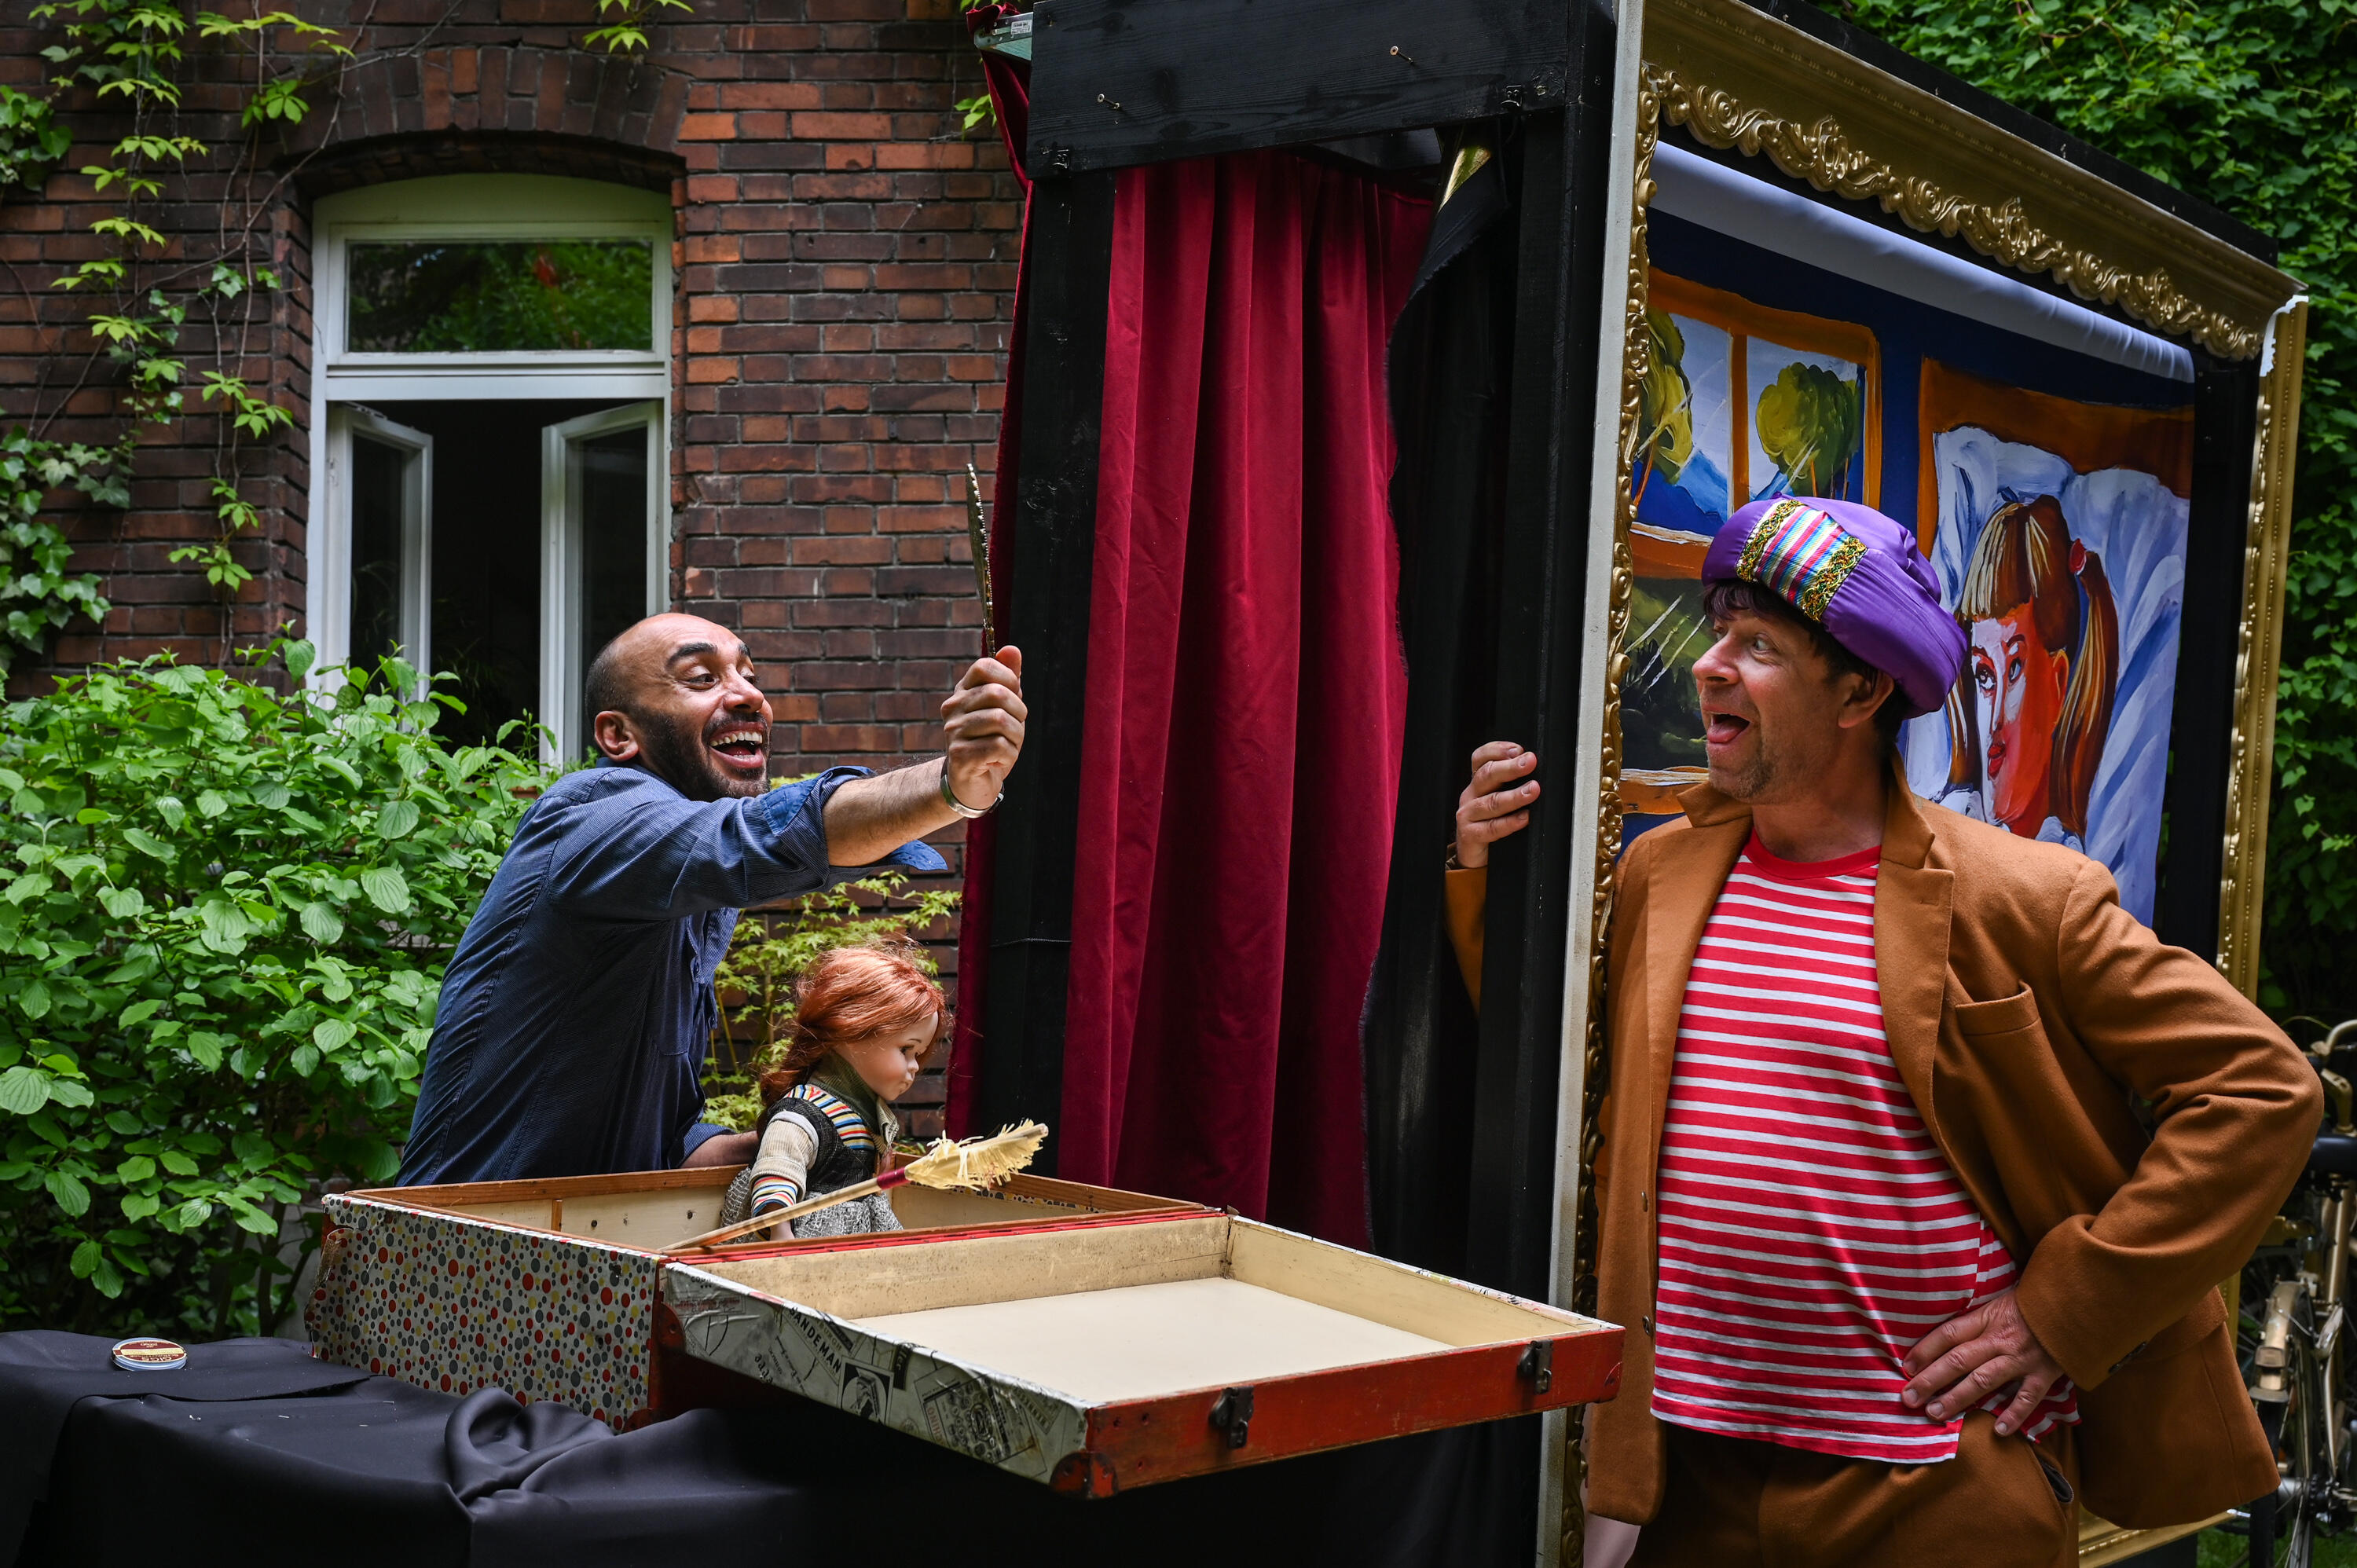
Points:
(1824, 154)
(2267, 557)
(1636, 359)
(2103, 1543)
(1735, 77)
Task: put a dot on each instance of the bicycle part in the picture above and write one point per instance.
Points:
(2344, 1101)
(2333, 1155)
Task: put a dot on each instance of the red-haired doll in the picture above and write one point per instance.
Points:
(864, 1019)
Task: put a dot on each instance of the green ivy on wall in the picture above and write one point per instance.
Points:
(2252, 106)
(131, 57)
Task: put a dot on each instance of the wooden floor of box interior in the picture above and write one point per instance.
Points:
(1142, 1342)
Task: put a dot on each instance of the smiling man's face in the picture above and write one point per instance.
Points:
(693, 712)
(1770, 708)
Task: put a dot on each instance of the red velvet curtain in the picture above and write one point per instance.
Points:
(1245, 690)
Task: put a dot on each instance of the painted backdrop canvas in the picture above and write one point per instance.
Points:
(2014, 479)
(1956, 420)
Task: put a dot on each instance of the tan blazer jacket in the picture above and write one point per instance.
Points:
(2032, 1019)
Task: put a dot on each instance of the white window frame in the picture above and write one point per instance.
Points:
(562, 667)
(331, 556)
(484, 207)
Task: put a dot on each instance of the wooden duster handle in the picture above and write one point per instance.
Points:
(762, 1221)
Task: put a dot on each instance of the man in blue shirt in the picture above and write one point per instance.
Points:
(574, 1014)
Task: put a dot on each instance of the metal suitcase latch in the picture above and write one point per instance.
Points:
(1537, 1366)
(1232, 1413)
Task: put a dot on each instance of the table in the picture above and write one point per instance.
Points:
(257, 1454)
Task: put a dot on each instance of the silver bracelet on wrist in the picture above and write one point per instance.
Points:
(949, 798)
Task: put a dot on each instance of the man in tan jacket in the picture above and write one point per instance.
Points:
(1921, 1156)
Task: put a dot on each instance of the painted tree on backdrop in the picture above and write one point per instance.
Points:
(2251, 105)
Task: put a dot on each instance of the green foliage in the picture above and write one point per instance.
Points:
(31, 141)
(222, 924)
(769, 949)
(469, 297)
(37, 595)
(1810, 423)
(132, 54)
(626, 32)
(2251, 105)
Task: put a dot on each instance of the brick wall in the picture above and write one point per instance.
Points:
(843, 267)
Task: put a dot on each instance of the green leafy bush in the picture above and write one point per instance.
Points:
(771, 947)
(222, 930)
(2251, 105)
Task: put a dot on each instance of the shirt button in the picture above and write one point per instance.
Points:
(1648, 1322)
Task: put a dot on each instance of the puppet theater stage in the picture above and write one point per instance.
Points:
(1376, 368)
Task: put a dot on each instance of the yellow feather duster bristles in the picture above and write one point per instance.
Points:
(978, 1162)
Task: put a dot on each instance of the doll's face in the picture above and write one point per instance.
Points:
(2018, 687)
(887, 1062)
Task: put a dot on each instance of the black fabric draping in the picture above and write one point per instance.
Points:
(1450, 364)
(371, 1471)
(44, 1374)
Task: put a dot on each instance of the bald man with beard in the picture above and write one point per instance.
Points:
(574, 1014)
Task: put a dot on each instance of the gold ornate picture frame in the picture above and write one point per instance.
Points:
(1739, 81)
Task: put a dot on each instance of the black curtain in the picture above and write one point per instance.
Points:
(1450, 364)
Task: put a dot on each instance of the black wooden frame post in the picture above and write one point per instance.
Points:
(1052, 555)
(1541, 626)
(2201, 722)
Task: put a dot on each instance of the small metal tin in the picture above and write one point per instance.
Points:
(145, 1355)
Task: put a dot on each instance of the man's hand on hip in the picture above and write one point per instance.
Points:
(983, 722)
(1972, 1355)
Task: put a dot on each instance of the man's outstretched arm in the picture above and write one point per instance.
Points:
(867, 819)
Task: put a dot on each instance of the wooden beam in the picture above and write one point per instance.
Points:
(1116, 82)
(1047, 615)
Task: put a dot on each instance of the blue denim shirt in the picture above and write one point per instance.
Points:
(574, 1016)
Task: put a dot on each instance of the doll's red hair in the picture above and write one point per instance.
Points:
(853, 994)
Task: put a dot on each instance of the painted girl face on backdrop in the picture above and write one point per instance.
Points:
(2018, 690)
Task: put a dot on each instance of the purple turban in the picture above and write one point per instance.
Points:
(1856, 574)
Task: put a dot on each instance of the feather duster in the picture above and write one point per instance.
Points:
(973, 1164)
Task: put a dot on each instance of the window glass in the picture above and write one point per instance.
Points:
(452, 297)
(612, 491)
(377, 483)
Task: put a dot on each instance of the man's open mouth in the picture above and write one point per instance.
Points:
(746, 745)
(1724, 729)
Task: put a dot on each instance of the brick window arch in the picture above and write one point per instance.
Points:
(491, 396)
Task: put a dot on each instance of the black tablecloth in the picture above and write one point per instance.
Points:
(260, 1455)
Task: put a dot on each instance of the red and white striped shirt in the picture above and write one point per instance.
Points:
(1810, 1231)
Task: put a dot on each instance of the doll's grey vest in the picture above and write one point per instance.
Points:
(836, 1163)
